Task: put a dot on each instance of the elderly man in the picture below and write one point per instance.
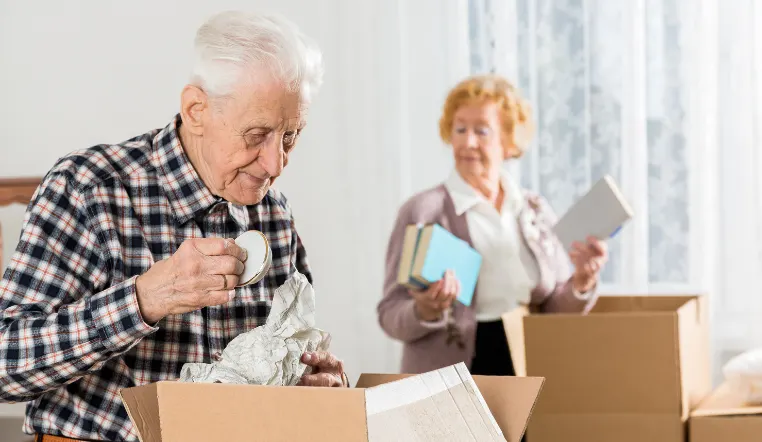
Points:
(126, 269)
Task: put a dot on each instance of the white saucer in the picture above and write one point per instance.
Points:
(259, 257)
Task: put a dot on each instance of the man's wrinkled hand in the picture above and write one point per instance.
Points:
(202, 272)
(327, 370)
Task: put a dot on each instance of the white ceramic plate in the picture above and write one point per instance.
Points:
(259, 260)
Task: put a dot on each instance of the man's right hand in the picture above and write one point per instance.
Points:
(203, 272)
(438, 297)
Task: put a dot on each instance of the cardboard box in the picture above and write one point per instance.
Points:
(723, 416)
(438, 406)
(631, 370)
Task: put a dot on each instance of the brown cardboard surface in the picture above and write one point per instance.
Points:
(605, 364)
(645, 340)
(447, 404)
(368, 380)
(510, 399)
(203, 412)
(143, 408)
(726, 428)
(723, 416)
(605, 428)
(633, 366)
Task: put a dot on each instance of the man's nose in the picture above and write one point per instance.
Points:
(271, 157)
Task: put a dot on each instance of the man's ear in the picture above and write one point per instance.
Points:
(193, 104)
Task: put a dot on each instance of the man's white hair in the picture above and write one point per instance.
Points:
(233, 45)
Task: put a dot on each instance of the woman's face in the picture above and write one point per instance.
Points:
(478, 140)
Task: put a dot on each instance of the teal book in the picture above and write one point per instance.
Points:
(438, 251)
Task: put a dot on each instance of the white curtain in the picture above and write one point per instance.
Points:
(664, 95)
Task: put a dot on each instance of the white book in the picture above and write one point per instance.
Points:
(600, 213)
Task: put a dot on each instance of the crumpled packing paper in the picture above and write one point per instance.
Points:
(743, 374)
(270, 354)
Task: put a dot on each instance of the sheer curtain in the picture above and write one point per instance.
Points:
(663, 95)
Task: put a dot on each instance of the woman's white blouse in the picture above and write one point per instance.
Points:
(509, 270)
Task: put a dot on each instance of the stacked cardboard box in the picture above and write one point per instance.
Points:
(631, 370)
(723, 416)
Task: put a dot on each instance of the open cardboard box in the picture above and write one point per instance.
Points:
(630, 370)
(382, 407)
(724, 416)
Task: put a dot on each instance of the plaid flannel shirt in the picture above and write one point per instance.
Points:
(71, 333)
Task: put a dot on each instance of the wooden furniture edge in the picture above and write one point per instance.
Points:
(15, 191)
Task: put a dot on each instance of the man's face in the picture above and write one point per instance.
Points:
(247, 139)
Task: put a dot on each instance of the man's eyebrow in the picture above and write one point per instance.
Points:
(267, 125)
(257, 125)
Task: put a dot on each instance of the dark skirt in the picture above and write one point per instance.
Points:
(492, 357)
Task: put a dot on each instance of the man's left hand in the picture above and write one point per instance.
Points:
(327, 370)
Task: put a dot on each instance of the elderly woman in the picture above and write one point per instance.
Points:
(126, 268)
(486, 123)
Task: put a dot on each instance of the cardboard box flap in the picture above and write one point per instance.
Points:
(695, 357)
(725, 401)
(634, 304)
(143, 408)
(510, 399)
(368, 380)
(202, 412)
(513, 322)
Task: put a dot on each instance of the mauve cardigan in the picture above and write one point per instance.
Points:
(425, 346)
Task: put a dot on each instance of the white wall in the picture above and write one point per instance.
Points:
(78, 73)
